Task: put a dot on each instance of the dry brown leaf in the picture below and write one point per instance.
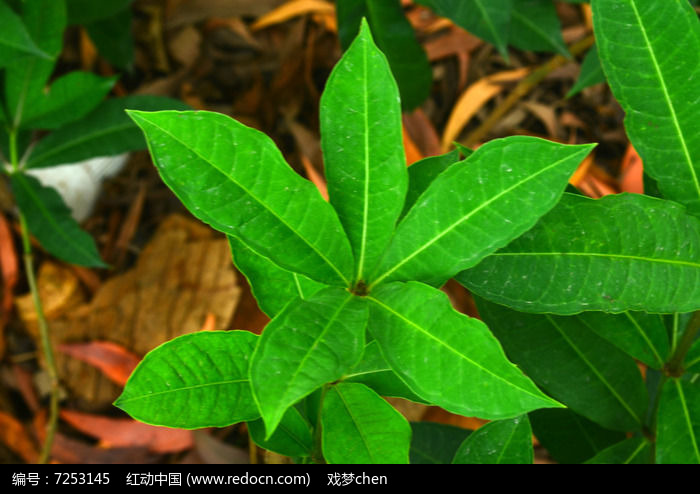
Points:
(183, 274)
(60, 292)
(422, 132)
(435, 414)
(293, 9)
(546, 115)
(411, 150)
(315, 177)
(68, 450)
(474, 98)
(580, 174)
(185, 45)
(14, 435)
(121, 433)
(213, 451)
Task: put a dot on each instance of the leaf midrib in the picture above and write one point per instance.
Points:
(181, 389)
(466, 217)
(452, 349)
(667, 98)
(599, 254)
(261, 203)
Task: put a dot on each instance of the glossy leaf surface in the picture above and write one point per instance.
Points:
(396, 38)
(649, 51)
(621, 252)
(363, 149)
(573, 364)
(477, 206)
(435, 444)
(358, 426)
(641, 335)
(272, 286)
(50, 221)
(310, 343)
(678, 423)
(291, 438)
(500, 442)
(235, 179)
(447, 358)
(422, 173)
(193, 381)
(375, 372)
(106, 131)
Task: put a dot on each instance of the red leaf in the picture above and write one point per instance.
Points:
(113, 360)
(122, 433)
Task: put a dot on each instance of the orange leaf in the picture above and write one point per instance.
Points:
(113, 360)
(9, 265)
(315, 177)
(632, 169)
(120, 433)
(293, 9)
(413, 154)
(13, 434)
(474, 98)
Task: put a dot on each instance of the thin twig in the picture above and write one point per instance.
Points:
(523, 88)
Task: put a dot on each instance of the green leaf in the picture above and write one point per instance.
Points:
(45, 21)
(86, 11)
(487, 19)
(499, 442)
(291, 438)
(635, 450)
(641, 335)
(422, 173)
(535, 26)
(678, 423)
(358, 426)
(50, 221)
(573, 364)
(649, 50)
(70, 98)
(435, 444)
(106, 131)
(692, 358)
(591, 72)
(395, 36)
(16, 43)
(446, 357)
(235, 179)
(113, 39)
(375, 372)
(272, 286)
(478, 205)
(193, 381)
(621, 252)
(310, 343)
(363, 149)
(569, 437)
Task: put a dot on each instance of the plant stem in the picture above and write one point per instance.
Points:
(317, 453)
(675, 364)
(46, 345)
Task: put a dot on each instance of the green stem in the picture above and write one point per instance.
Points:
(675, 364)
(44, 334)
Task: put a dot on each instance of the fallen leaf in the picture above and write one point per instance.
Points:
(185, 45)
(315, 177)
(293, 9)
(71, 451)
(115, 361)
(546, 115)
(9, 267)
(194, 11)
(213, 451)
(122, 433)
(632, 172)
(183, 274)
(14, 435)
(473, 99)
(411, 150)
(422, 132)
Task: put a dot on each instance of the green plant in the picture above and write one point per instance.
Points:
(81, 126)
(589, 287)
